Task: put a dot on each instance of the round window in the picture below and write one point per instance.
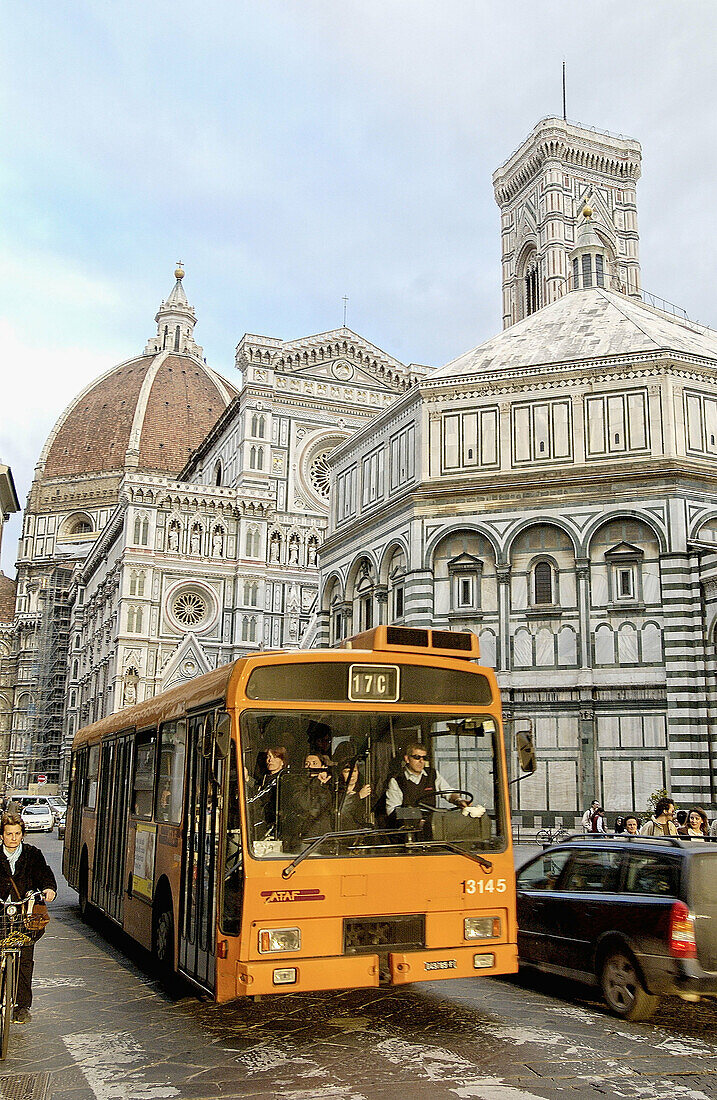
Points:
(189, 608)
(319, 474)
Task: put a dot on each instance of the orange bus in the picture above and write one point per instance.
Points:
(325, 819)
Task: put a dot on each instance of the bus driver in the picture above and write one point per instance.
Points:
(417, 782)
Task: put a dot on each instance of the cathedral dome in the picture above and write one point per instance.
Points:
(148, 413)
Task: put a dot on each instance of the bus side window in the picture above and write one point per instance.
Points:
(233, 856)
(170, 788)
(144, 764)
(93, 767)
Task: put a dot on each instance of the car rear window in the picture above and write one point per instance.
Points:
(593, 871)
(652, 874)
(703, 875)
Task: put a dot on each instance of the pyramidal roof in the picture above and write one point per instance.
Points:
(583, 325)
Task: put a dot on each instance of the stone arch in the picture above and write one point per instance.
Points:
(470, 526)
(705, 528)
(536, 543)
(542, 521)
(624, 541)
(397, 545)
(600, 520)
(333, 587)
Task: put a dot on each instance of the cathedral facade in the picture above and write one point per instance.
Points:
(555, 491)
(190, 572)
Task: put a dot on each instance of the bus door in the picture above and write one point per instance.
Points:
(202, 817)
(112, 812)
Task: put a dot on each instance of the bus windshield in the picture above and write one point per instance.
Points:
(394, 781)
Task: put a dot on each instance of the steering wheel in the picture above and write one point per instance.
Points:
(465, 795)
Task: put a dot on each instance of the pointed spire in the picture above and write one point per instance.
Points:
(175, 322)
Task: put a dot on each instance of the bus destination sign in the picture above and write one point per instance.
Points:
(373, 683)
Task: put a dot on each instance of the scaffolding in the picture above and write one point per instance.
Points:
(44, 721)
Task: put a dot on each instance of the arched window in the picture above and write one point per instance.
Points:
(252, 543)
(218, 473)
(543, 583)
(260, 458)
(531, 286)
(138, 621)
(75, 669)
(140, 584)
(252, 458)
(130, 620)
(137, 530)
(165, 337)
(145, 531)
(248, 628)
(81, 527)
(176, 338)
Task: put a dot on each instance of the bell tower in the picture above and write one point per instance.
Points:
(542, 189)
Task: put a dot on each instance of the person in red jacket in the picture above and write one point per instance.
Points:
(23, 868)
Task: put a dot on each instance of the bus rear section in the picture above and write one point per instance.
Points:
(336, 873)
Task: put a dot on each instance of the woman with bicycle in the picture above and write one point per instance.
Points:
(23, 868)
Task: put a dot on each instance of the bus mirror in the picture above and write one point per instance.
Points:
(222, 734)
(526, 751)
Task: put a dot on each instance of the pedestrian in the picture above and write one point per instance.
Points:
(632, 825)
(680, 819)
(587, 816)
(597, 821)
(23, 868)
(619, 825)
(697, 826)
(713, 830)
(662, 821)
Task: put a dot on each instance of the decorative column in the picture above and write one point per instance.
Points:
(582, 573)
(588, 777)
(380, 592)
(503, 655)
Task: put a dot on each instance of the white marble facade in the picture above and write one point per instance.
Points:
(555, 492)
(191, 572)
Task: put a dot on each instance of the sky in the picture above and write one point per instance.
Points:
(291, 152)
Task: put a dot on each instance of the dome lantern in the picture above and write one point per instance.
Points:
(588, 261)
(175, 322)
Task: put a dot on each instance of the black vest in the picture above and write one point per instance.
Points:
(424, 791)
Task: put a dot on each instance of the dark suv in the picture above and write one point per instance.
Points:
(635, 915)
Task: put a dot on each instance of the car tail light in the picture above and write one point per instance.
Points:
(682, 932)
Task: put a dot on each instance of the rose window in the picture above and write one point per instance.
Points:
(319, 474)
(189, 608)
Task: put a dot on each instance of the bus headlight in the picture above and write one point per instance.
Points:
(279, 939)
(481, 928)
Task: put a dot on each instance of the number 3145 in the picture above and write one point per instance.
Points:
(484, 886)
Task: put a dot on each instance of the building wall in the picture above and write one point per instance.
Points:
(580, 567)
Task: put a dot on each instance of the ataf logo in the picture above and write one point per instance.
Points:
(293, 895)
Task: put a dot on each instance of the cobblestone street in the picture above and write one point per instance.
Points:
(102, 1029)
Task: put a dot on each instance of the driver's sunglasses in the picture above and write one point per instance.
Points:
(418, 756)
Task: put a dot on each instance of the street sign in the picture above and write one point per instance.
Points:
(42, 779)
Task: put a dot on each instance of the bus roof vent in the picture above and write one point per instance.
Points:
(449, 643)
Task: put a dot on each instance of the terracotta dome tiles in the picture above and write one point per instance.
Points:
(184, 403)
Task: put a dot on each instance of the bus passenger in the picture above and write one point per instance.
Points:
(311, 800)
(417, 782)
(23, 868)
(353, 799)
(267, 797)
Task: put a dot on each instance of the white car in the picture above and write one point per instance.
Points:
(38, 819)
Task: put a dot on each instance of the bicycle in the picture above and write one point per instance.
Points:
(546, 837)
(18, 929)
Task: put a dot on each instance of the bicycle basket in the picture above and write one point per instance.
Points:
(37, 921)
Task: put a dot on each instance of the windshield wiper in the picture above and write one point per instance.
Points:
(314, 843)
(485, 863)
